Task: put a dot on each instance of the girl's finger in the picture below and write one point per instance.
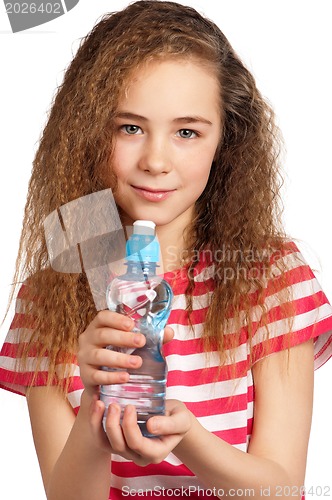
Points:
(105, 336)
(106, 357)
(114, 430)
(178, 422)
(93, 376)
(112, 319)
(131, 430)
(117, 437)
(96, 415)
(145, 450)
(168, 334)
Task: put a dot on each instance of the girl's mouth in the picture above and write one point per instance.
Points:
(152, 194)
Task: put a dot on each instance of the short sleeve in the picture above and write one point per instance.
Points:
(16, 376)
(296, 309)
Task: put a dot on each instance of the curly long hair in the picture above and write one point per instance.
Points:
(239, 210)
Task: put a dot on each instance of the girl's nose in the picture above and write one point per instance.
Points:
(156, 156)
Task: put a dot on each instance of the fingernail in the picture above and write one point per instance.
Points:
(113, 409)
(153, 424)
(128, 323)
(130, 409)
(137, 340)
(123, 377)
(133, 360)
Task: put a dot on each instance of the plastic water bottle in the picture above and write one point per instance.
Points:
(146, 298)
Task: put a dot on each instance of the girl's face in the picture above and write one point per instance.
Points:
(168, 126)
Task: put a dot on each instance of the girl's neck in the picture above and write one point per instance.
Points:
(172, 249)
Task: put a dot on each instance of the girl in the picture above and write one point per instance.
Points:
(157, 106)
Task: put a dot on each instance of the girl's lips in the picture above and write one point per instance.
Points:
(152, 195)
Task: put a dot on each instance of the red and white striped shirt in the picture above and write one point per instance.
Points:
(222, 401)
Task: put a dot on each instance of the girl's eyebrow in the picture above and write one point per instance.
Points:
(182, 119)
(192, 119)
(130, 116)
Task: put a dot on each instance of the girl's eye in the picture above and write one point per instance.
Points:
(131, 129)
(186, 133)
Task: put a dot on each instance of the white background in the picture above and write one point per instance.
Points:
(287, 45)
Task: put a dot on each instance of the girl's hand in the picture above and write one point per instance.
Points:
(127, 440)
(109, 328)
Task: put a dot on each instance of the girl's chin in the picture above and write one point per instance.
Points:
(163, 217)
(127, 219)
(159, 221)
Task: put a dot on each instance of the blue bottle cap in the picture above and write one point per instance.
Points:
(143, 246)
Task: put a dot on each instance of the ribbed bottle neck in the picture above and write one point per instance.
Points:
(148, 268)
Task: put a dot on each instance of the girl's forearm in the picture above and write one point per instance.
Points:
(82, 470)
(231, 472)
